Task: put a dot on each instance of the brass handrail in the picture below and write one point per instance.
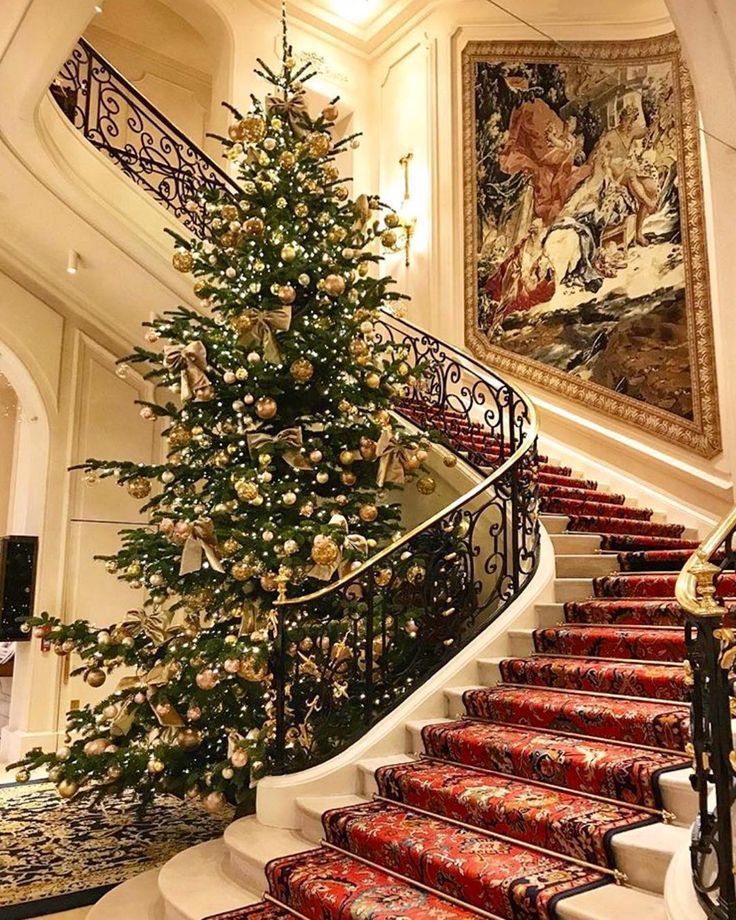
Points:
(478, 489)
(695, 589)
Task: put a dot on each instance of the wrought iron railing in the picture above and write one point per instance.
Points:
(711, 645)
(120, 122)
(345, 655)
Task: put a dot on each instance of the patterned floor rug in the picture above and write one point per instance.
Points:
(57, 855)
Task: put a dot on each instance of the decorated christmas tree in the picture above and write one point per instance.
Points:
(281, 456)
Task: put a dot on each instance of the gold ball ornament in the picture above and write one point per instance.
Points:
(346, 457)
(266, 407)
(301, 370)
(426, 485)
(373, 381)
(318, 144)
(241, 571)
(230, 546)
(324, 550)
(330, 112)
(389, 238)
(392, 219)
(156, 766)
(229, 212)
(269, 581)
(179, 436)
(287, 159)
(189, 739)
(334, 285)
(207, 679)
(67, 788)
(138, 487)
(450, 460)
(368, 449)
(253, 128)
(183, 261)
(348, 478)
(22, 776)
(95, 747)
(368, 513)
(288, 253)
(246, 490)
(95, 677)
(235, 132)
(287, 294)
(214, 802)
(254, 226)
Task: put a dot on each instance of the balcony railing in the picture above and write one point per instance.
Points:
(711, 643)
(345, 655)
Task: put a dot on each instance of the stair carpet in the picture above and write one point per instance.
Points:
(559, 780)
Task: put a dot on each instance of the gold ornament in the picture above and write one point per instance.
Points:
(214, 802)
(348, 478)
(358, 347)
(346, 457)
(221, 459)
(318, 144)
(301, 370)
(334, 285)
(450, 461)
(179, 436)
(368, 513)
(373, 380)
(307, 509)
(246, 490)
(269, 581)
(330, 113)
(229, 212)
(426, 485)
(22, 776)
(241, 571)
(253, 128)
(367, 449)
(67, 788)
(95, 677)
(138, 487)
(392, 219)
(389, 238)
(188, 739)
(266, 407)
(287, 159)
(207, 679)
(199, 288)
(95, 747)
(288, 253)
(324, 550)
(254, 226)
(287, 294)
(182, 261)
(230, 546)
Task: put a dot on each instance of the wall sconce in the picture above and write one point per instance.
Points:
(405, 220)
(72, 262)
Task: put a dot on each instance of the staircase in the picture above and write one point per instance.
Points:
(562, 772)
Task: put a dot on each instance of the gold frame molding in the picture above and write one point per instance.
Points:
(702, 434)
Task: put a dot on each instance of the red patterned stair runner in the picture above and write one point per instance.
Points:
(513, 807)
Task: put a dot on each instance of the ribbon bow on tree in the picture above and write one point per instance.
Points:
(354, 542)
(262, 328)
(191, 362)
(152, 624)
(293, 109)
(200, 543)
(392, 459)
(290, 440)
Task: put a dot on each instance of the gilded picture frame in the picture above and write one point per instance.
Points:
(689, 415)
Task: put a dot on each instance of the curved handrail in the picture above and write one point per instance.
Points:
(711, 653)
(452, 507)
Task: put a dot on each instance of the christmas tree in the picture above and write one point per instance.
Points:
(281, 454)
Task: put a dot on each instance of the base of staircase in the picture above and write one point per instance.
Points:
(138, 897)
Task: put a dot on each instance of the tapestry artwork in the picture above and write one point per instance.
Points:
(585, 250)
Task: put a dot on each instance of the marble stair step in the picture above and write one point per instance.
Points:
(549, 615)
(588, 565)
(575, 543)
(137, 898)
(367, 771)
(573, 589)
(554, 523)
(196, 883)
(642, 853)
(250, 845)
(612, 903)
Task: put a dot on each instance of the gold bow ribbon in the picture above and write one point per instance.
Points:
(151, 623)
(264, 324)
(354, 542)
(290, 440)
(292, 109)
(158, 676)
(191, 362)
(392, 459)
(200, 543)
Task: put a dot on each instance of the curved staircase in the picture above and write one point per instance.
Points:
(557, 787)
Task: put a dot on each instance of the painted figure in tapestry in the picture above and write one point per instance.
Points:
(580, 261)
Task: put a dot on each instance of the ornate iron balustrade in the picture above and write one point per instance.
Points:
(711, 645)
(120, 122)
(344, 656)
(349, 653)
